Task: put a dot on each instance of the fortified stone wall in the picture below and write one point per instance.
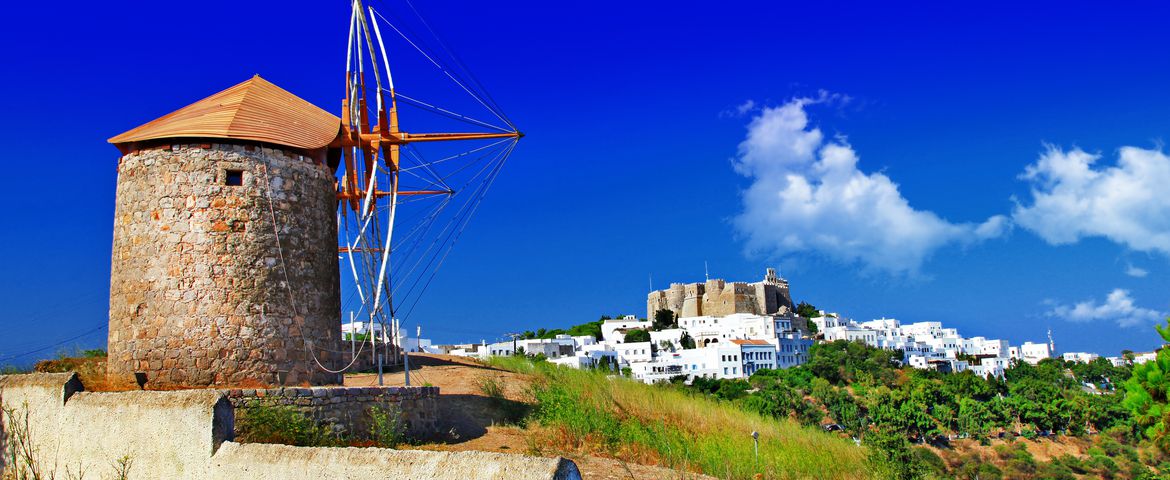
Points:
(722, 299)
(718, 298)
(197, 290)
(347, 410)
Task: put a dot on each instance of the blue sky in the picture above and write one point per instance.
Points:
(919, 124)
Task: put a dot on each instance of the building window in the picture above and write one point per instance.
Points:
(233, 178)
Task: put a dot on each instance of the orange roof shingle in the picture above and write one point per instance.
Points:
(252, 110)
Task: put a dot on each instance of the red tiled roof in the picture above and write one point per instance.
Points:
(252, 110)
(749, 342)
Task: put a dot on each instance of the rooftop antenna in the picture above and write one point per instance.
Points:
(706, 274)
(651, 282)
(1051, 343)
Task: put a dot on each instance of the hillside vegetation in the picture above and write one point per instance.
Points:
(926, 424)
(592, 413)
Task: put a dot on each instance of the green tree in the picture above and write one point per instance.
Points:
(892, 457)
(783, 402)
(664, 319)
(637, 335)
(807, 310)
(975, 418)
(1145, 394)
(842, 362)
(812, 326)
(686, 341)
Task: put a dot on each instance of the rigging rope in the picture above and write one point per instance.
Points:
(447, 72)
(487, 185)
(306, 343)
(460, 64)
(457, 116)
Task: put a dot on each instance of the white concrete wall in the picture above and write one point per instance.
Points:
(164, 434)
(185, 435)
(283, 462)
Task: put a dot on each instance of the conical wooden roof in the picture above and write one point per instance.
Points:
(253, 110)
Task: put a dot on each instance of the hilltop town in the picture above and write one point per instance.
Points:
(729, 330)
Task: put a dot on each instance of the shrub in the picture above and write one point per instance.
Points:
(978, 471)
(637, 335)
(512, 411)
(892, 457)
(285, 425)
(386, 428)
(12, 370)
(930, 461)
(490, 387)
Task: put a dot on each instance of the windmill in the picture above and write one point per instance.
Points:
(229, 213)
(378, 160)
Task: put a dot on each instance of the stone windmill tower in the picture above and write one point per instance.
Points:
(233, 213)
(224, 268)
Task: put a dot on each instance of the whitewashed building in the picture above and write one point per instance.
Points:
(1082, 357)
(613, 331)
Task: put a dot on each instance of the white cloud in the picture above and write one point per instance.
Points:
(1136, 272)
(1118, 307)
(745, 107)
(807, 195)
(1127, 203)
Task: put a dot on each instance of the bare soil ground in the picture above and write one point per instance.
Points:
(1042, 450)
(475, 421)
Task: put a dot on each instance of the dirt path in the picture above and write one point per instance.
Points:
(475, 421)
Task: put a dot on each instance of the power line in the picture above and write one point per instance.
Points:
(41, 349)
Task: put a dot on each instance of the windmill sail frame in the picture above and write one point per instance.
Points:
(369, 186)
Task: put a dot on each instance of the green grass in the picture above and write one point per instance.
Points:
(593, 413)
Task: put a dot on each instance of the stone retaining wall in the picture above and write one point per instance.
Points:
(347, 410)
(187, 434)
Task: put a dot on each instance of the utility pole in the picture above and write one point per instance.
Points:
(374, 348)
(406, 365)
(514, 336)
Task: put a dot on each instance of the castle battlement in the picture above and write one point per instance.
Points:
(717, 297)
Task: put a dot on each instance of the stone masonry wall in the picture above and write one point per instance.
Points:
(346, 410)
(197, 287)
(718, 298)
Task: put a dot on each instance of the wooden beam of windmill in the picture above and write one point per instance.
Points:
(386, 135)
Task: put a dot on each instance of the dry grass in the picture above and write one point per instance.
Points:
(91, 371)
(602, 415)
